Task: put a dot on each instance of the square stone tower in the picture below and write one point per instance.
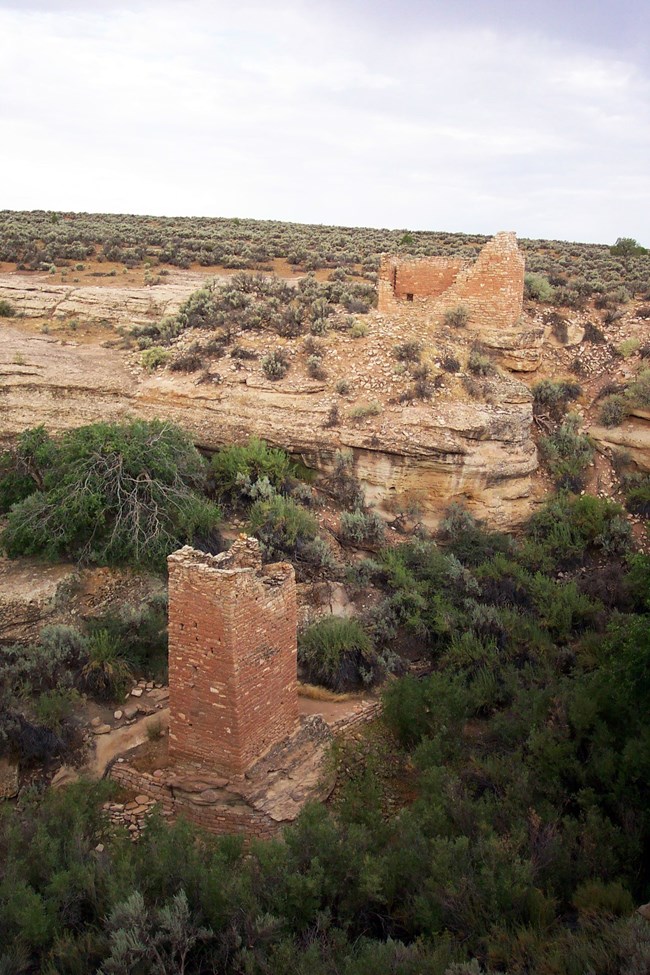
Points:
(232, 656)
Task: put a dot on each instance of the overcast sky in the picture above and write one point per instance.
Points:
(457, 115)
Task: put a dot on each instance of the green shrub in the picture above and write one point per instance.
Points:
(23, 469)
(358, 331)
(114, 493)
(275, 365)
(555, 396)
(450, 364)
(479, 364)
(594, 895)
(628, 347)
(14, 486)
(141, 633)
(637, 494)
(315, 367)
(338, 654)
(154, 357)
(614, 410)
(7, 310)
(416, 709)
(562, 609)
(616, 536)
(408, 351)
(567, 454)
(283, 528)
(456, 317)
(627, 247)
(343, 483)
(566, 527)
(468, 539)
(538, 287)
(53, 664)
(639, 390)
(364, 410)
(54, 708)
(362, 527)
(107, 673)
(249, 463)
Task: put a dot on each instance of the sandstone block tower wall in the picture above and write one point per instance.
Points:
(232, 656)
(491, 288)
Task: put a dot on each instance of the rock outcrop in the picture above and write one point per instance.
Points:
(449, 447)
(35, 297)
(632, 437)
(30, 595)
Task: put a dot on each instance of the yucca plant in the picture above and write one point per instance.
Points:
(107, 673)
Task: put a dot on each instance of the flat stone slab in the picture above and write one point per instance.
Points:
(197, 783)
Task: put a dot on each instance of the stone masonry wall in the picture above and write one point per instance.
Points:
(235, 817)
(491, 288)
(192, 791)
(232, 656)
(423, 277)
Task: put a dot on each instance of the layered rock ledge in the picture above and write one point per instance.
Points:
(478, 450)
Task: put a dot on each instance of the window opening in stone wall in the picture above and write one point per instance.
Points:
(409, 296)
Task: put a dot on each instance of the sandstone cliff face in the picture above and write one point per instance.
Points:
(450, 447)
(35, 297)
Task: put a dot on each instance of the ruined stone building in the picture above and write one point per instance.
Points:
(239, 758)
(491, 288)
(232, 656)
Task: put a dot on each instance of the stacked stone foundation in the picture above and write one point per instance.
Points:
(221, 820)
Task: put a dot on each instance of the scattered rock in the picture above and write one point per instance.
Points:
(102, 729)
(146, 707)
(118, 714)
(136, 692)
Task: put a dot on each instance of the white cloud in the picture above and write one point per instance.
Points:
(294, 112)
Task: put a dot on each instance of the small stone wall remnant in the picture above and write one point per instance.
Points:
(232, 656)
(421, 277)
(491, 288)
